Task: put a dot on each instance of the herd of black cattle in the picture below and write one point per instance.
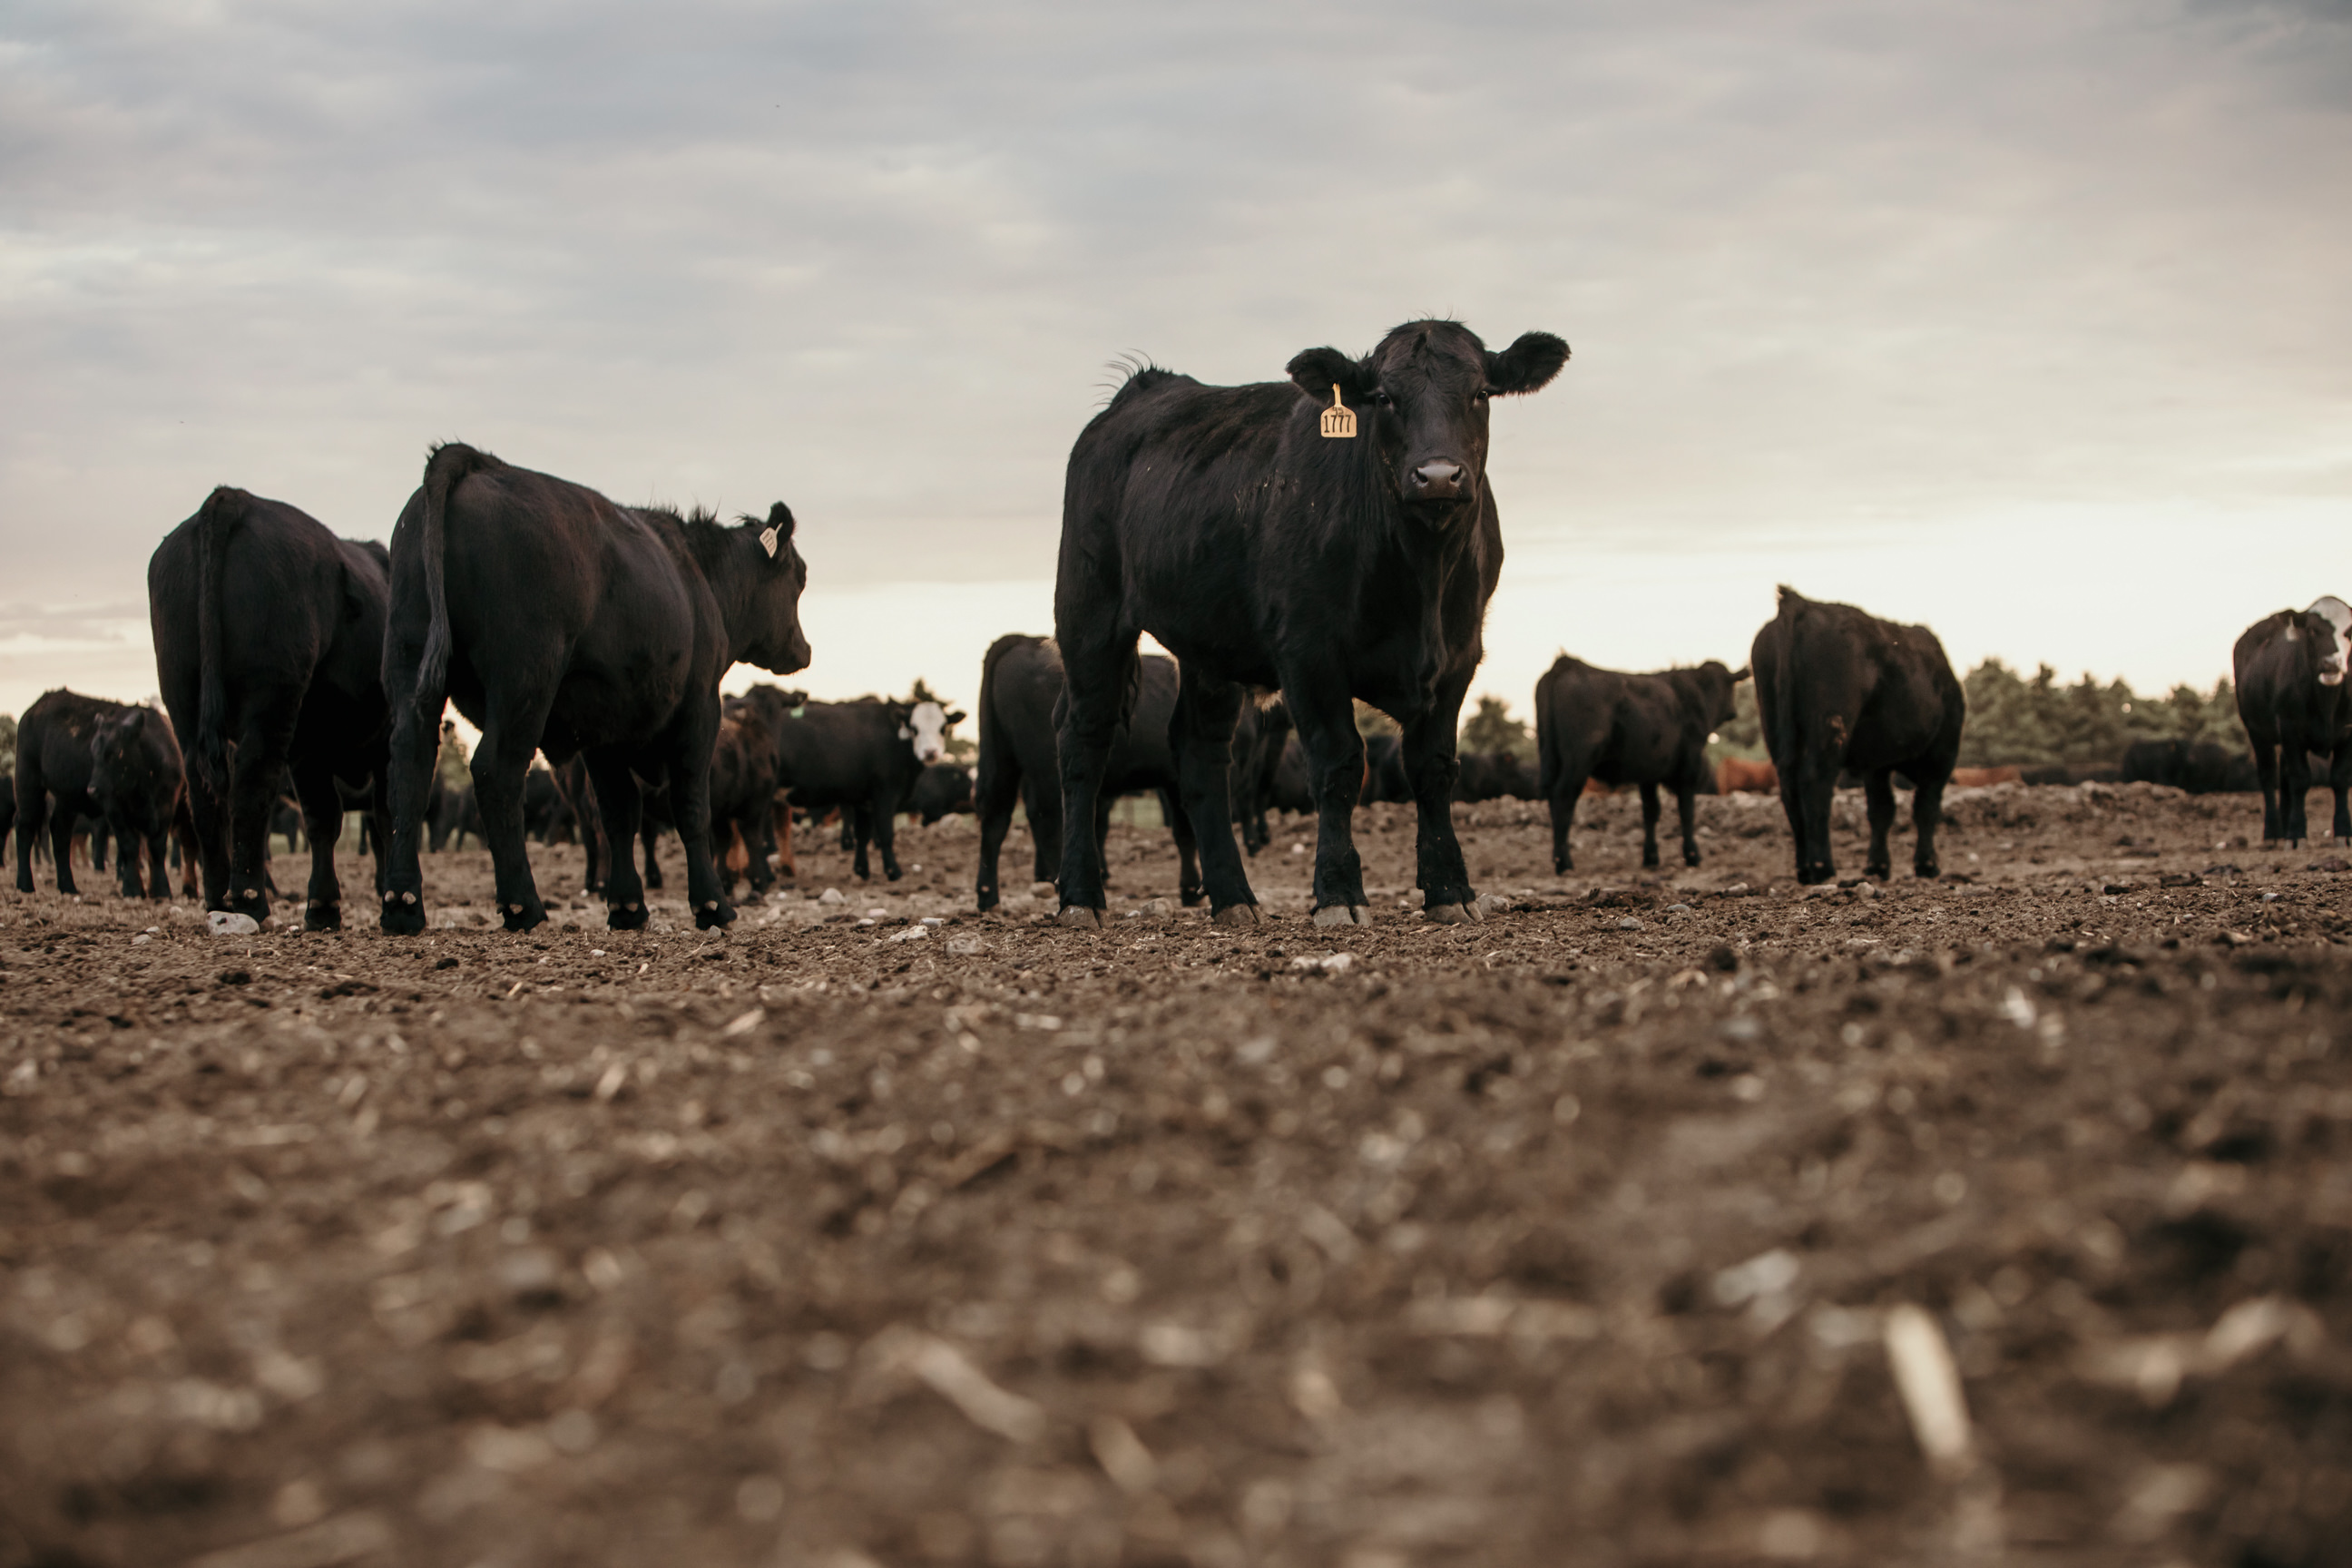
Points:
(1299, 546)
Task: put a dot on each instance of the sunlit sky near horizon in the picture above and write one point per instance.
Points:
(2026, 320)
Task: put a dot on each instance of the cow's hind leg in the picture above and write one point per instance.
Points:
(619, 804)
(1567, 791)
(999, 790)
(1098, 672)
(2267, 779)
(1200, 732)
(1188, 847)
(61, 837)
(501, 773)
(1878, 791)
(1650, 812)
(322, 816)
(1926, 813)
(2294, 788)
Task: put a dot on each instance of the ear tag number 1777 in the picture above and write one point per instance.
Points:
(1339, 420)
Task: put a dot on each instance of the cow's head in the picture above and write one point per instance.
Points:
(1718, 686)
(924, 726)
(1421, 400)
(2337, 641)
(769, 634)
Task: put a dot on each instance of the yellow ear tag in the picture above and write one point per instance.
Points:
(1339, 420)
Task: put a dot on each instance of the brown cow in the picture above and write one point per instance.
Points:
(1737, 775)
(1980, 778)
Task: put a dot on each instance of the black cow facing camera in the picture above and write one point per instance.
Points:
(1838, 687)
(1641, 730)
(558, 621)
(2294, 700)
(140, 790)
(1264, 553)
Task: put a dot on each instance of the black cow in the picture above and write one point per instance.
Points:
(1264, 554)
(861, 757)
(1259, 738)
(53, 762)
(268, 639)
(558, 621)
(2200, 767)
(2295, 701)
(1641, 730)
(137, 782)
(1292, 788)
(1385, 779)
(744, 796)
(944, 788)
(1837, 687)
(1021, 699)
(453, 817)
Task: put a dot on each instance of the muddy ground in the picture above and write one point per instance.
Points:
(1575, 1236)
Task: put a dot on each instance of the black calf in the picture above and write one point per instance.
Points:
(1641, 730)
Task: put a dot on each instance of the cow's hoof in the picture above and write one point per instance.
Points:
(323, 917)
(1192, 898)
(1455, 914)
(1649, 860)
(1079, 916)
(1878, 871)
(1927, 869)
(1561, 866)
(1238, 917)
(1343, 915)
(402, 920)
(523, 917)
(626, 917)
(713, 916)
(1690, 857)
(892, 874)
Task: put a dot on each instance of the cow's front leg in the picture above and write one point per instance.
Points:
(323, 818)
(1650, 809)
(1686, 803)
(1325, 720)
(885, 833)
(689, 799)
(1096, 670)
(1432, 767)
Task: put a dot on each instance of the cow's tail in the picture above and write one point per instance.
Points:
(1783, 742)
(450, 462)
(222, 511)
(1547, 749)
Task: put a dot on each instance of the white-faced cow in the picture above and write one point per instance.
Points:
(558, 621)
(1838, 687)
(2295, 701)
(863, 757)
(269, 644)
(1641, 730)
(1264, 553)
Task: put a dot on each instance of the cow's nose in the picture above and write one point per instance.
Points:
(1437, 480)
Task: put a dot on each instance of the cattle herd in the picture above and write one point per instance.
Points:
(1300, 547)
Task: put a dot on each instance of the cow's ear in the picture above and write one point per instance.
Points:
(774, 533)
(1528, 366)
(1317, 370)
(1740, 675)
(956, 717)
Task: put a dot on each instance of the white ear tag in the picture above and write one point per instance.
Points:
(768, 540)
(1339, 420)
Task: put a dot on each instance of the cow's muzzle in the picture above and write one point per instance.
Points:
(1440, 478)
(2331, 677)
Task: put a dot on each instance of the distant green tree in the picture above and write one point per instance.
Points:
(1492, 728)
(8, 742)
(2013, 721)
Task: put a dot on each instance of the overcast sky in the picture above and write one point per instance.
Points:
(2026, 319)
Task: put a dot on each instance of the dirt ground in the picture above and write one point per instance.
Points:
(849, 1239)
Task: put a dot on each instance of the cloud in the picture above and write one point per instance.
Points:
(1844, 283)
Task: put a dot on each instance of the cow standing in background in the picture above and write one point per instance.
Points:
(53, 762)
(2293, 702)
(944, 789)
(861, 757)
(1838, 687)
(1641, 730)
(744, 796)
(138, 785)
(1737, 775)
(269, 641)
(1021, 698)
(1263, 553)
(1258, 741)
(558, 621)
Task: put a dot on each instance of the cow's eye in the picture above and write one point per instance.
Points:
(1382, 400)
(1482, 394)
